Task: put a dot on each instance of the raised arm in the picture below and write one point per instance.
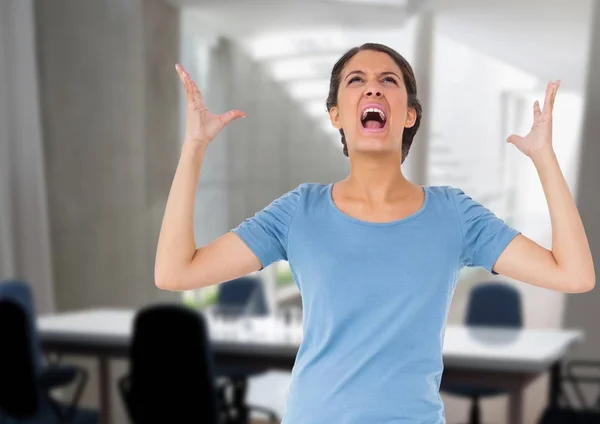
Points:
(568, 267)
(179, 264)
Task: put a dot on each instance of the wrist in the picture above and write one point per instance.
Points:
(543, 155)
(192, 152)
(194, 147)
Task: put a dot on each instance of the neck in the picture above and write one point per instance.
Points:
(377, 177)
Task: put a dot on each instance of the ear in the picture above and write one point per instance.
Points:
(334, 117)
(411, 117)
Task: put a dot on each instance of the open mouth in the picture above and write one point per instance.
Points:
(373, 118)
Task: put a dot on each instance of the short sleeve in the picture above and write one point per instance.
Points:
(485, 236)
(266, 232)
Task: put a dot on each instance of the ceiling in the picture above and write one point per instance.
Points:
(547, 38)
(300, 40)
(242, 19)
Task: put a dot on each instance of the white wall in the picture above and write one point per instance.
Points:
(467, 114)
(256, 159)
(478, 101)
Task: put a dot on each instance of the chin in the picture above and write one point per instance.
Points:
(374, 146)
(374, 142)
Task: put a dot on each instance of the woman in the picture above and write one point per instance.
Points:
(375, 256)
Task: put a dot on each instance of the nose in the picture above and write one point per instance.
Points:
(373, 93)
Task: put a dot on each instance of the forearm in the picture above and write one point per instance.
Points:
(176, 243)
(570, 246)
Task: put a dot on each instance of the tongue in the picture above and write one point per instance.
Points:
(373, 124)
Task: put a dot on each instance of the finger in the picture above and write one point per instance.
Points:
(548, 99)
(227, 117)
(181, 73)
(514, 139)
(193, 95)
(197, 96)
(550, 96)
(185, 80)
(537, 112)
(556, 86)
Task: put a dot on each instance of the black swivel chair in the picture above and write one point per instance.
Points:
(576, 376)
(171, 377)
(491, 304)
(25, 383)
(52, 374)
(242, 298)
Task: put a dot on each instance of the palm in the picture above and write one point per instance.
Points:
(202, 126)
(540, 136)
(202, 123)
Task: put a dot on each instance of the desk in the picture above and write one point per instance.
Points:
(506, 358)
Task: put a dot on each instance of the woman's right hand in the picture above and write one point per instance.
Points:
(202, 125)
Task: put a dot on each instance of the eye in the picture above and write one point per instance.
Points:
(391, 79)
(356, 78)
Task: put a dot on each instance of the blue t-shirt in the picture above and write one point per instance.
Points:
(375, 299)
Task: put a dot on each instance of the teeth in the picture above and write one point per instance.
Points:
(374, 109)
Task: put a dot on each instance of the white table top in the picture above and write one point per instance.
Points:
(115, 325)
(501, 349)
(473, 348)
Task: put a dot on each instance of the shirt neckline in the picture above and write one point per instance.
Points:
(344, 215)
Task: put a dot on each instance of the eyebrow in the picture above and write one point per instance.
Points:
(358, 71)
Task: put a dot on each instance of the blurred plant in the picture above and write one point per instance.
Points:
(284, 275)
(202, 298)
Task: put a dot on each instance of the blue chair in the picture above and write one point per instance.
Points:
(25, 378)
(490, 304)
(242, 298)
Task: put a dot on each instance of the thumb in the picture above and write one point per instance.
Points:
(227, 117)
(514, 139)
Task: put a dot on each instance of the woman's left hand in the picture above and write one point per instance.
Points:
(540, 136)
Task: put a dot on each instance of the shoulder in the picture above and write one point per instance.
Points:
(446, 193)
(308, 192)
(303, 193)
(451, 202)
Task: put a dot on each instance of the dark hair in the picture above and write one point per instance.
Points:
(409, 82)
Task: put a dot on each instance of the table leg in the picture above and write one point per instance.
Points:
(554, 388)
(239, 399)
(104, 379)
(515, 406)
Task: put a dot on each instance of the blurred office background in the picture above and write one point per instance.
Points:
(91, 129)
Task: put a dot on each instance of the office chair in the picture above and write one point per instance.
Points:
(242, 298)
(51, 373)
(171, 377)
(24, 393)
(582, 410)
(490, 304)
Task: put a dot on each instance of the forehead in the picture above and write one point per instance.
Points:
(370, 61)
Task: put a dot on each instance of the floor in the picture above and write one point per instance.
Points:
(269, 390)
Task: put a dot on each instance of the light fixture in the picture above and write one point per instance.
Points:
(396, 3)
(315, 108)
(303, 67)
(309, 89)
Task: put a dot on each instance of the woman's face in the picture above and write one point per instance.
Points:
(372, 104)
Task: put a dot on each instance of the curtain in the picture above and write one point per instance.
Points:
(24, 225)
